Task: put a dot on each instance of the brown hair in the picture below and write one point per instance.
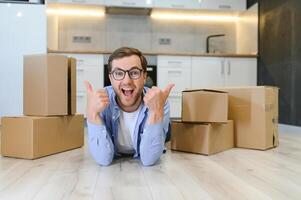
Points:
(124, 52)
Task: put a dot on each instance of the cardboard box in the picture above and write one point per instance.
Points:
(204, 106)
(202, 138)
(49, 85)
(33, 137)
(255, 113)
(71, 86)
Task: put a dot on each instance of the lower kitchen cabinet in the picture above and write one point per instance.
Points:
(220, 71)
(177, 70)
(175, 102)
(207, 72)
(203, 72)
(240, 71)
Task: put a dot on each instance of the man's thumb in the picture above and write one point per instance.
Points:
(168, 89)
(88, 86)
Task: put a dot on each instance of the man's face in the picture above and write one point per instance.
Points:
(128, 91)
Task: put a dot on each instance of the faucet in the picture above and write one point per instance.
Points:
(208, 38)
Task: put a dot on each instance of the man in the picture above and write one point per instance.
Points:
(127, 118)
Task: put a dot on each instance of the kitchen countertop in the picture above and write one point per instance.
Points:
(161, 53)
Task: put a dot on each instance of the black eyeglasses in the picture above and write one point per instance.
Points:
(119, 74)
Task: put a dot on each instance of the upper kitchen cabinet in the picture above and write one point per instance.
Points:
(177, 4)
(129, 3)
(231, 5)
(84, 2)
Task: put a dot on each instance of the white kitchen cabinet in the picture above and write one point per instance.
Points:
(84, 2)
(174, 69)
(220, 71)
(207, 72)
(177, 70)
(129, 3)
(240, 71)
(175, 102)
(177, 4)
(89, 67)
(234, 5)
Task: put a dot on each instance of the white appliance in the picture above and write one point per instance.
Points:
(22, 31)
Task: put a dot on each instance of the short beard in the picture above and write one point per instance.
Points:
(135, 102)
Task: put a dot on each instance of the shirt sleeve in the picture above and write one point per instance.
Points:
(100, 144)
(153, 138)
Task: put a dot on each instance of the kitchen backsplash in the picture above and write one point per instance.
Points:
(142, 32)
(113, 31)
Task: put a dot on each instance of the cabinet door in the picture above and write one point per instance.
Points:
(207, 72)
(241, 71)
(174, 69)
(92, 74)
(88, 2)
(177, 4)
(238, 5)
(92, 60)
(175, 102)
(81, 103)
(129, 3)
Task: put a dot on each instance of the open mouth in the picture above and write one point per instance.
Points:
(127, 92)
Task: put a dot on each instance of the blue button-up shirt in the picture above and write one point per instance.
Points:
(148, 138)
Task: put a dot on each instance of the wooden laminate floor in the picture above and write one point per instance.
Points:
(233, 174)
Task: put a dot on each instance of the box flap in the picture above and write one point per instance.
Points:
(206, 90)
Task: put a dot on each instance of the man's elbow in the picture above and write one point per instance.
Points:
(149, 162)
(104, 162)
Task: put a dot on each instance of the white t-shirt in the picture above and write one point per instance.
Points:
(125, 138)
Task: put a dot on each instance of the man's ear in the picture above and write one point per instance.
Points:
(110, 77)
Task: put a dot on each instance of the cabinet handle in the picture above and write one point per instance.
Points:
(223, 68)
(80, 61)
(174, 62)
(78, 1)
(125, 3)
(229, 68)
(177, 5)
(224, 6)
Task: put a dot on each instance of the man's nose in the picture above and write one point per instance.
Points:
(127, 77)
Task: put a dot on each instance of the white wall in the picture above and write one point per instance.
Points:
(247, 31)
(23, 31)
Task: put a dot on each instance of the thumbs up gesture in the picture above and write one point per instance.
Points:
(155, 99)
(97, 101)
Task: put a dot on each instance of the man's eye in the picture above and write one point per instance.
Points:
(118, 73)
(135, 73)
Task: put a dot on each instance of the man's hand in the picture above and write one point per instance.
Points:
(96, 103)
(155, 99)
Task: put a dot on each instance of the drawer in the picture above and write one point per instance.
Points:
(92, 74)
(180, 77)
(81, 101)
(174, 61)
(92, 60)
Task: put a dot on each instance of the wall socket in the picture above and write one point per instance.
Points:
(164, 41)
(81, 39)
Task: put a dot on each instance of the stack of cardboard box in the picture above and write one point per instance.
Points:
(49, 124)
(205, 128)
